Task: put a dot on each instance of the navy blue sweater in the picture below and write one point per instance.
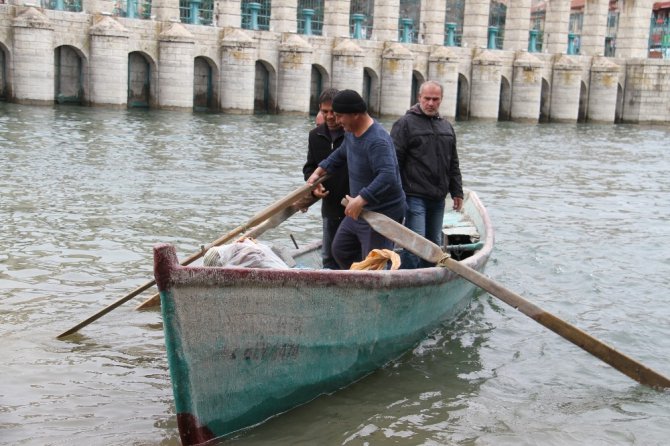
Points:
(373, 170)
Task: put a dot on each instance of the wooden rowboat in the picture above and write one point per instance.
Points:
(244, 345)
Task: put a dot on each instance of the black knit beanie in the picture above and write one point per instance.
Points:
(348, 101)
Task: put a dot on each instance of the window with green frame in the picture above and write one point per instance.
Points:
(409, 10)
(196, 13)
(62, 5)
(575, 28)
(316, 20)
(538, 15)
(132, 9)
(262, 17)
(455, 11)
(367, 9)
(612, 28)
(497, 15)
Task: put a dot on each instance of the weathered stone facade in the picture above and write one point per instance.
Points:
(95, 58)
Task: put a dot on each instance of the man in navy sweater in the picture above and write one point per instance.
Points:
(374, 179)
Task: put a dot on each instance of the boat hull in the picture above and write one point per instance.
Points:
(247, 344)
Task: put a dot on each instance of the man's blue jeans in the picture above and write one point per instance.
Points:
(425, 217)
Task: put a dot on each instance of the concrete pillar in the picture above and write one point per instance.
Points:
(565, 89)
(443, 68)
(347, 66)
(385, 26)
(229, 13)
(603, 90)
(476, 23)
(647, 91)
(556, 26)
(295, 75)
(433, 13)
(396, 91)
(486, 75)
(284, 18)
(633, 35)
(176, 47)
(526, 88)
(165, 10)
(595, 28)
(336, 18)
(108, 63)
(33, 52)
(517, 25)
(238, 72)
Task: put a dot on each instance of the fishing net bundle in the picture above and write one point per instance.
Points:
(245, 253)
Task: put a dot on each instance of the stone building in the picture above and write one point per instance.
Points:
(510, 60)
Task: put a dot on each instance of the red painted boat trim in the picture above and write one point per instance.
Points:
(191, 432)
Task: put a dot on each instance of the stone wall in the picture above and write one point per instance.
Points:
(243, 68)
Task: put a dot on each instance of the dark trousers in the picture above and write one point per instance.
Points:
(330, 225)
(354, 240)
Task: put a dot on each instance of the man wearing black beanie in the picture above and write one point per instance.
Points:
(374, 179)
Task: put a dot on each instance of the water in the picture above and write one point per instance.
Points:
(582, 227)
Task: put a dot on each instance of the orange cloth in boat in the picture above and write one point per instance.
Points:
(377, 260)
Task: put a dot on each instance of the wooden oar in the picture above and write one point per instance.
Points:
(430, 252)
(263, 215)
(256, 232)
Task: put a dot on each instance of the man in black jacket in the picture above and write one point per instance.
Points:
(323, 140)
(426, 150)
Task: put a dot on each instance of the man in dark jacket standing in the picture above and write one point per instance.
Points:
(426, 150)
(323, 140)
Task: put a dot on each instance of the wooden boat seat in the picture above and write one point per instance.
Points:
(460, 236)
(457, 225)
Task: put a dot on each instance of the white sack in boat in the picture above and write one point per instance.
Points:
(245, 253)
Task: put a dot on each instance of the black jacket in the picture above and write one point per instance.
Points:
(321, 145)
(427, 156)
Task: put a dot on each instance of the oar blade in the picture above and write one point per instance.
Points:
(432, 253)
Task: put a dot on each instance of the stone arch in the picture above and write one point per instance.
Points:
(545, 101)
(205, 84)
(5, 84)
(417, 80)
(70, 73)
(463, 98)
(370, 89)
(141, 80)
(618, 114)
(583, 102)
(319, 82)
(505, 100)
(265, 88)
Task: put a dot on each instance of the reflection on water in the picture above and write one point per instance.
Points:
(581, 217)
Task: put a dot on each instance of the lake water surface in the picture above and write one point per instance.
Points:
(582, 220)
